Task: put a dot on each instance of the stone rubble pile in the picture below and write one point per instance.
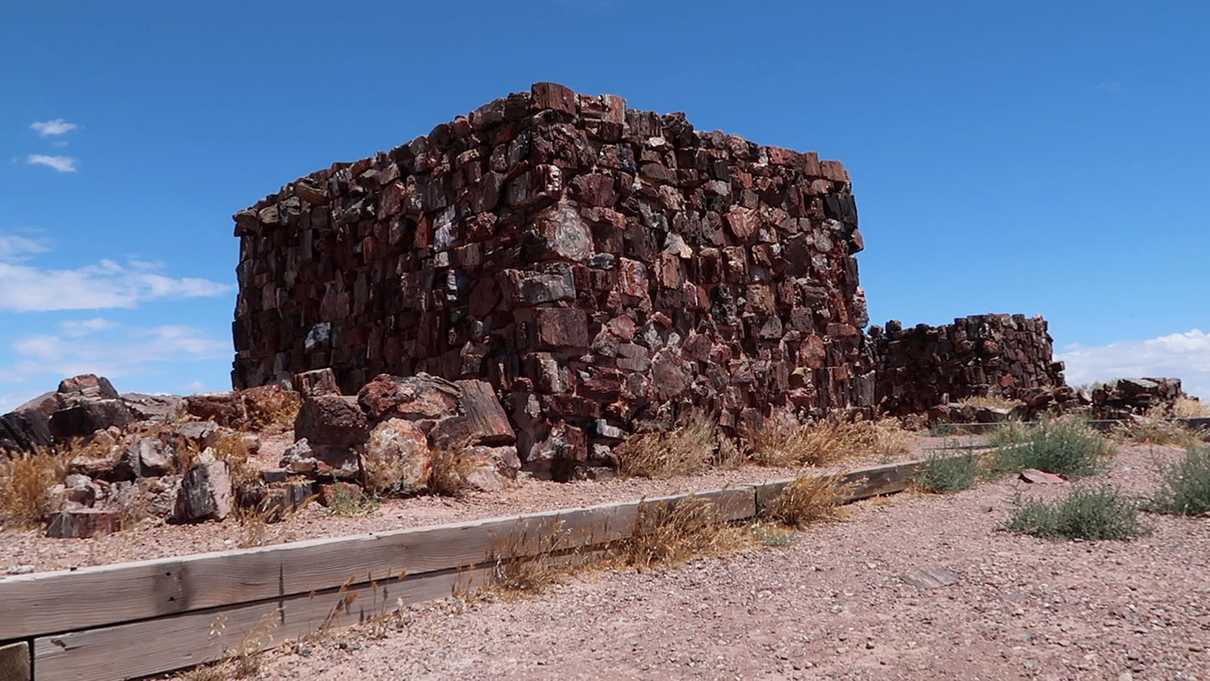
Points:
(1127, 397)
(597, 265)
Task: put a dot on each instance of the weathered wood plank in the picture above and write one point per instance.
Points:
(161, 645)
(865, 483)
(98, 596)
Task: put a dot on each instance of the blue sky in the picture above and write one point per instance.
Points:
(1046, 158)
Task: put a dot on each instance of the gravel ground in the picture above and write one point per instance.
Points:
(834, 605)
(26, 550)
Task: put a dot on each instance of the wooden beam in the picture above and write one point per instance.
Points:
(864, 483)
(165, 644)
(48, 603)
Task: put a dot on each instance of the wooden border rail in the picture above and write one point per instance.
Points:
(1103, 425)
(131, 620)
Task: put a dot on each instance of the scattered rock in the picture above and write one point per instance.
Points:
(931, 577)
(397, 457)
(158, 408)
(316, 382)
(224, 409)
(78, 522)
(327, 421)
(1037, 477)
(205, 491)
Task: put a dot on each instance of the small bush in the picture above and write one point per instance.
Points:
(1062, 446)
(1091, 513)
(25, 483)
(348, 502)
(807, 500)
(685, 450)
(671, 534)
(941, 474)
(1184, 485)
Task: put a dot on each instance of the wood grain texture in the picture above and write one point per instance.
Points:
(105, 595)
(156, 646)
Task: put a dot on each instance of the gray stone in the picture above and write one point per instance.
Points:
(205, 491)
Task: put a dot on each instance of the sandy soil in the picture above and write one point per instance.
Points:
(834, 605)
(29, 550)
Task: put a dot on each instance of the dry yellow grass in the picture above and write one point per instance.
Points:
(240, 662)
(783, 440)
(686, 449)
(1155, 428)
(668, 535)
(809, 499)
(270, 407)
(1189, 408)
(232, 449)
(25, 483)
(989, 402)
(523, 565)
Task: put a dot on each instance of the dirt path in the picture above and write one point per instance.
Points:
(833, 605)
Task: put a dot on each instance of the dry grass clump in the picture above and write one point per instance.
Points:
(1188, 408)
(674, 533)
(881, 436)
(232, 449)
(684, 450)
(809, 499)
(240, 662)
(783, 440)
(449, 471)
(25, 483)
(1155, 428)
(521, 565)
(270, 407)
(989, 402)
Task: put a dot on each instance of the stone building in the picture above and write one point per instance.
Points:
(597, 264)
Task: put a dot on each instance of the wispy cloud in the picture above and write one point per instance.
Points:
(18, 247)
(63, 164)
(1182, 355)
(39, 361)
(107, 284)
(53, 127)
(75, 328)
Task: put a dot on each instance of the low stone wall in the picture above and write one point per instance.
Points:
(596, 264)
(982, 355)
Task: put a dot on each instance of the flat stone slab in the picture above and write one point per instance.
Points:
(931, 577)
(1037, 477)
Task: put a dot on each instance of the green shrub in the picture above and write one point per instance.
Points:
(1085, 513)
(1184, 485)
(1062, 446)
(942, 474)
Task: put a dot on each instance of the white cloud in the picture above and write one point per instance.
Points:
(107, 284)
(1181, 355)
(63, 164)
(53, 127)
(40, 361)
(17, 247)
(75, 328)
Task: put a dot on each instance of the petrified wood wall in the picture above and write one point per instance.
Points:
(598, 265)
(981, 355)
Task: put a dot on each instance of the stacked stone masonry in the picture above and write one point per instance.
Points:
(983, 355)
(597, 265)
